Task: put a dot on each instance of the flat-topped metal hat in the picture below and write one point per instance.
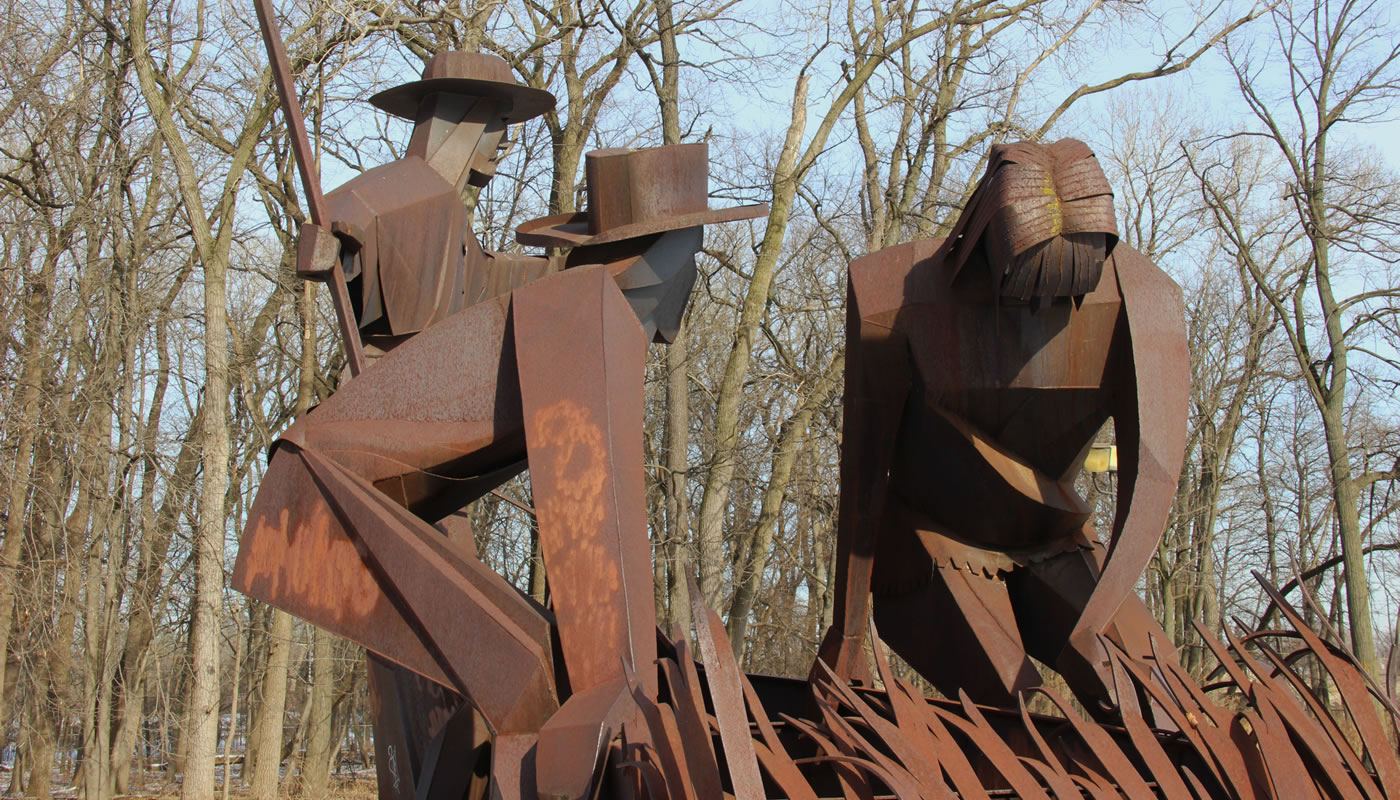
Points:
(634, 193)
(470, 74)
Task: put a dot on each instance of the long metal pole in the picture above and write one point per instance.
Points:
(316, 204)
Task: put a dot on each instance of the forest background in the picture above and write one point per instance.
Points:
(154, 341)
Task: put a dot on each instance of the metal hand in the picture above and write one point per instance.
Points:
(301, 145)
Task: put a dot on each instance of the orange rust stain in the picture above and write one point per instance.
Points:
(570, 472)
(305, 561)
(569, 453)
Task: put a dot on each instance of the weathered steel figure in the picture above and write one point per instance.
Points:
(410, 258)
(402, 230)
(980, 369)
(478, 382)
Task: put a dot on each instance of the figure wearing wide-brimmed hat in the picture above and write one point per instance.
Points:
(489, 369)
(645, 215)
(412, 258)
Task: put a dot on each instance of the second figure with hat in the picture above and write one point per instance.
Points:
(494, 367)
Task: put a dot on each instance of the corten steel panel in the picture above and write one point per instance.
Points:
(411, 227)
(472, 75)
(432, 417)
(477, 633)
(491, 641)
(1150, 422)
(637, 193)
(573, 744)
(446, 415)
(607, 181)
(457, 761)
(296, 555)
(726, 693)
(409, 712)
(581, 355)
(628, 186)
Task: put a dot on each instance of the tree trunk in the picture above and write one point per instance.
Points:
(677, 413)
(266, 741)
(26, 410)
(42, 748)
(1363, 637)
(785, 451)
(265, 744)
(200, 734)
(1327, 43)
(128, 685)
(238, 652)
(315, 765)
(678, 570)
(295, 750)
(714, 504)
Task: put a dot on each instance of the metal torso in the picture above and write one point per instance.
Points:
(420, 261)
(1004, 403)
(412, 227)
(420, 264)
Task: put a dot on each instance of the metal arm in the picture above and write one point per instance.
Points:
(1150, 421)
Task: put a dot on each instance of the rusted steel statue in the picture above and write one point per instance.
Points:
(980, 369)
(410, 259)
(486, 370)
(413, 257)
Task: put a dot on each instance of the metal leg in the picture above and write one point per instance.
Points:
(1050, 595)
(959, 631)
(337, 535)
(581, 356)
(408, 712)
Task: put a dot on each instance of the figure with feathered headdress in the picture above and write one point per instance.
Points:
(980, 370)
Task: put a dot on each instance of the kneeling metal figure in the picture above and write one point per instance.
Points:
(488, 367)
(980, 369)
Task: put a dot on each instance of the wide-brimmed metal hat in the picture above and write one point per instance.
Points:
(470, 74)
(634, 193)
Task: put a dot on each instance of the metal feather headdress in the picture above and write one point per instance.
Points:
(1043, 215)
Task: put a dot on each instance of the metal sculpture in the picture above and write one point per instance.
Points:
(485, 370)
(980, 369)
(432, 265)
(412, 255)
(484, 365)
(1255, 730)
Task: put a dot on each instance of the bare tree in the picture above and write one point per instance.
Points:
(212, 245)
(1342, 65)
